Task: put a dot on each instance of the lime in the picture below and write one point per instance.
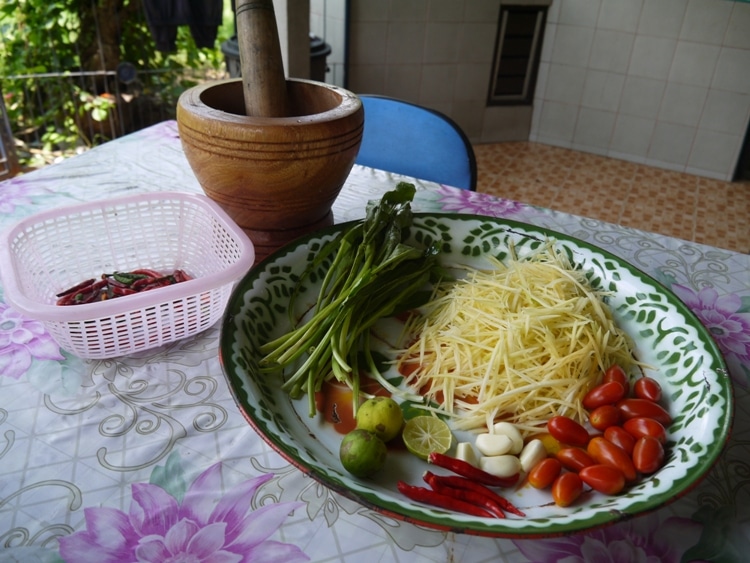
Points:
(362, 453)
(381, 415)
(423, 435)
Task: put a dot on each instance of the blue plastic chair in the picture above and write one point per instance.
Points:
(416, 141)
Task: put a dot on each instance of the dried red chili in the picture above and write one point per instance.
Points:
(458, 482)
(479, 499)
(428, 496)
(118, 284)
(467, 470)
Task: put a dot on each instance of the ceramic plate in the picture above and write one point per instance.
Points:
(667, 335)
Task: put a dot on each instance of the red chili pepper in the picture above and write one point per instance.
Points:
(181, 276)
(147, 272)
(458, 482)
(83, 295)
(142, 283)
(76, 288)
(67, 299)
(467, 470)
(156, 283)
(127, 278)
(467, 495)
(119, 291)
(113, 282)
(433, 498)
(88, 294)
(119, 284)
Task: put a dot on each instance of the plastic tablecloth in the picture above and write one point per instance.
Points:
(147, 457)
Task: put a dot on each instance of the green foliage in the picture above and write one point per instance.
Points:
(50, 50)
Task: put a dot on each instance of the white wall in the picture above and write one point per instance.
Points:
(661, 82)
(437, 53)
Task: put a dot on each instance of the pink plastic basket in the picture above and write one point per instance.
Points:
(51, 251)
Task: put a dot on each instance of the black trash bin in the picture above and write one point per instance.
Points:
(319, 51)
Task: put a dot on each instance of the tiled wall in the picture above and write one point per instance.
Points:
(663, 82)
(328, 21)
(434, 52)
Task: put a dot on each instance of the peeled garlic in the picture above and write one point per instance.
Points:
(532, 453)
(500, 465)
(466, 452)
(509, 430)
(493, 444)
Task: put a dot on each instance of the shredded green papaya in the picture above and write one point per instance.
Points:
(520, 343)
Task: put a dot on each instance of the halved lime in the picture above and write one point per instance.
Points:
(423, 435)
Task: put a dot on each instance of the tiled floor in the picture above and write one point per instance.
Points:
(672, 203)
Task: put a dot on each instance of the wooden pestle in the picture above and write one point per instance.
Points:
(263, 80)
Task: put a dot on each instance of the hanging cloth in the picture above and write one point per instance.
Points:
(165, 16)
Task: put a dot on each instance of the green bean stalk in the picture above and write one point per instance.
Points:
(373, 275)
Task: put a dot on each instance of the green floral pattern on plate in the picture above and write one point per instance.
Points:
(668, 337)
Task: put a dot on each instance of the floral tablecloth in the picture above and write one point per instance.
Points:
(147, 457)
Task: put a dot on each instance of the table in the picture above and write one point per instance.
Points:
(96, 456)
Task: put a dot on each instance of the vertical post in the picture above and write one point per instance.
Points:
(9, 166)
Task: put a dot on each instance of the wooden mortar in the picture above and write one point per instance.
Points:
(276, 176)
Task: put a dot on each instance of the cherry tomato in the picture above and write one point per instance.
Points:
(603, 478)
(574, 459)
(566, 489)
(616, 373)
(642, 426)
(647, 388)
(605, 452)
(648, 454)
(607, 393)
(544, 473)
(605, 416)
(633, 407)
(567, 431)
(620, 437)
